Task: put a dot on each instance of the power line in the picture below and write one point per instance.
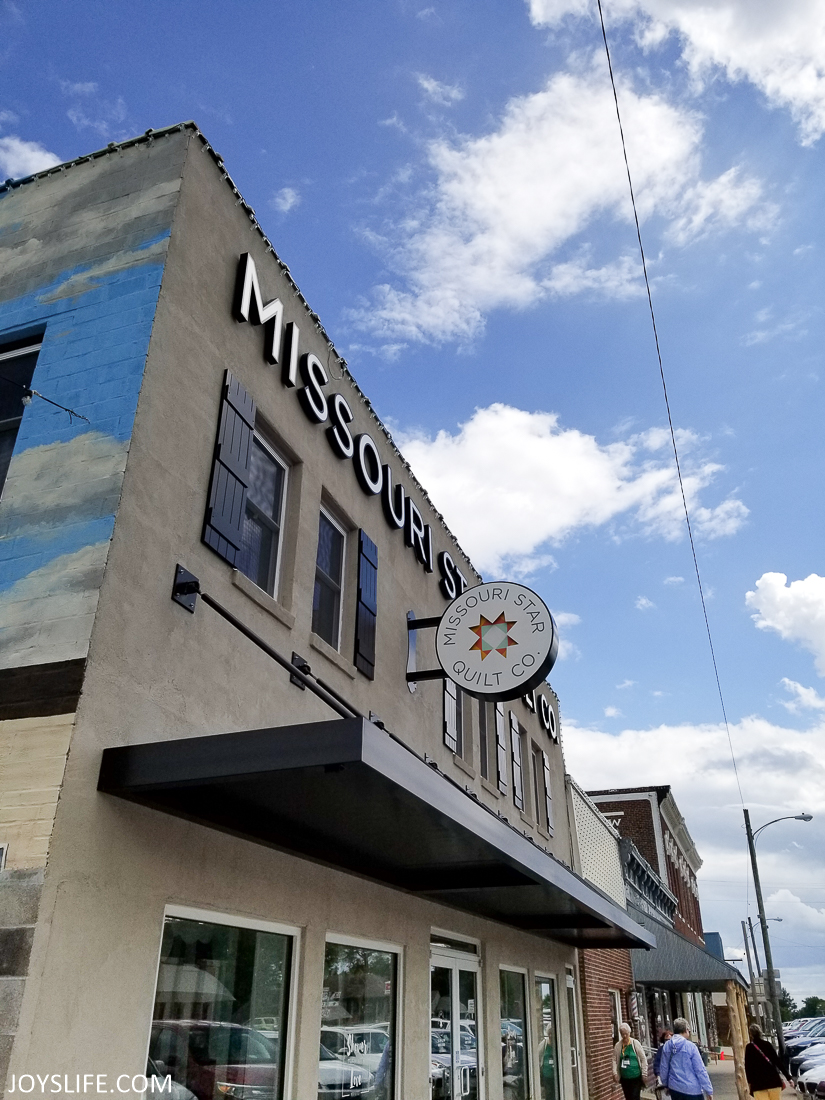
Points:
(667, 402)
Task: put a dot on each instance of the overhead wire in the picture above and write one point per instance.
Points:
(667, 403)
(29, 392)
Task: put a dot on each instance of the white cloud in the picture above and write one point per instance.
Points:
(612, 712)
(673, 580)
(796, 611)
(625, 684)
(643, 603)
(71, 88)
(502, 205)
(566, 618)
(443, 94)
(777, 45)
(513, 481)
(106, 117)
(19, 158)
(285, 199)
(804, 698)
(782, 772)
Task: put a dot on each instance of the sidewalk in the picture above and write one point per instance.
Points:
(723, 1078)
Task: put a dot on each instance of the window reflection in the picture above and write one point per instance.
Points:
(547, 1054)
(513, 1035)
(329, 573)
(220, 1017)
(357, 1023)
(262, 522)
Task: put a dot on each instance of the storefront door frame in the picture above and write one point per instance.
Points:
(456, 960)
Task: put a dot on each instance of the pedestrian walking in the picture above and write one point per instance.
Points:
(681, 1068)
(629, 1063)
(762, 1067)
(657, 1057)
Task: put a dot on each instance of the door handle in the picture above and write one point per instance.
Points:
(573, 1059)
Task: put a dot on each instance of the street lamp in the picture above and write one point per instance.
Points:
(772, 990)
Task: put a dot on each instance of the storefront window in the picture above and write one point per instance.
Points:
(514, 1035)
(358, 1023)
(547, 1055)
(220, 1019)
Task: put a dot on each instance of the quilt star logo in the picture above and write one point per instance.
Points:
(493, 635)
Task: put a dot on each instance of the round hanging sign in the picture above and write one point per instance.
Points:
(497, 640)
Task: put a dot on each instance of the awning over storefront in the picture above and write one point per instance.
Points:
(347, 794)
(677, 963)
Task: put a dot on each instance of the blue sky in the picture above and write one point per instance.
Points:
(444, 180)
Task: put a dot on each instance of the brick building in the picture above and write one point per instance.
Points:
(650, 817)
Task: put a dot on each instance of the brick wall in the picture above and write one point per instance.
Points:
(602, 971)
(636, 823)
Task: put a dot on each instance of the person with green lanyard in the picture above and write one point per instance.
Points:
(547, 1065)
(629, 1064)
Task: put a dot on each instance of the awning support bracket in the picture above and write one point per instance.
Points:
(185, 591)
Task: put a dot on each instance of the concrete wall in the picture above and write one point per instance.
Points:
(156, 672)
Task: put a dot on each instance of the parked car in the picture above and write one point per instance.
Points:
(807, 1082)
(338, 1079)
(806, 1061)
(803, 1041)
(216, 1060)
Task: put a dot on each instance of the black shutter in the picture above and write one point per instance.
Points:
(501, 750)
(548, 797)
(225, 512)
(367, 609)
(518, 772)
(450, 716)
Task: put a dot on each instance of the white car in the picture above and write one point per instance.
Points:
(338, 1079)
(807, 1081)
(362, 1046)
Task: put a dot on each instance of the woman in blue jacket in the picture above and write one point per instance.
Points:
(681, 1069)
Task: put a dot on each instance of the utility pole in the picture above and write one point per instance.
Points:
(772, 990)
(755, 952)
(750, 972)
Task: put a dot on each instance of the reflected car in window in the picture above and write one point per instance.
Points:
(339, 1080)
(216, 1060)
(441, 1063)
(363, 1046)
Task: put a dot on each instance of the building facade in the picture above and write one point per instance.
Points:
(253, 839)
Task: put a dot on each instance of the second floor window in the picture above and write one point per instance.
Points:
(329, 579)
(454, 717)
(17, 362)
(261, 549)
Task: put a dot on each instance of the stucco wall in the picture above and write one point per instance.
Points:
(157, 672)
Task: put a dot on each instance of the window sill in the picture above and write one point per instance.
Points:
(489, 788)
(526, 819)
(332, 655)
(544, 832)
(461, 763)
(262, 599)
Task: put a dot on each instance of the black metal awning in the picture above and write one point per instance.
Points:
(347, 794)
(678, 963)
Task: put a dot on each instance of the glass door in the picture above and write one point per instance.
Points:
(573, 1024)
(547, 1057)
(456, 1071)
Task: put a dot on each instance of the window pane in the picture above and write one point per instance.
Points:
(266, 482)
(257, 550)
(549, 1045)
(483, 750)
(330, 550)
(220, 1017)
(326, 606)
(513, 1035)
(358, 1023)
